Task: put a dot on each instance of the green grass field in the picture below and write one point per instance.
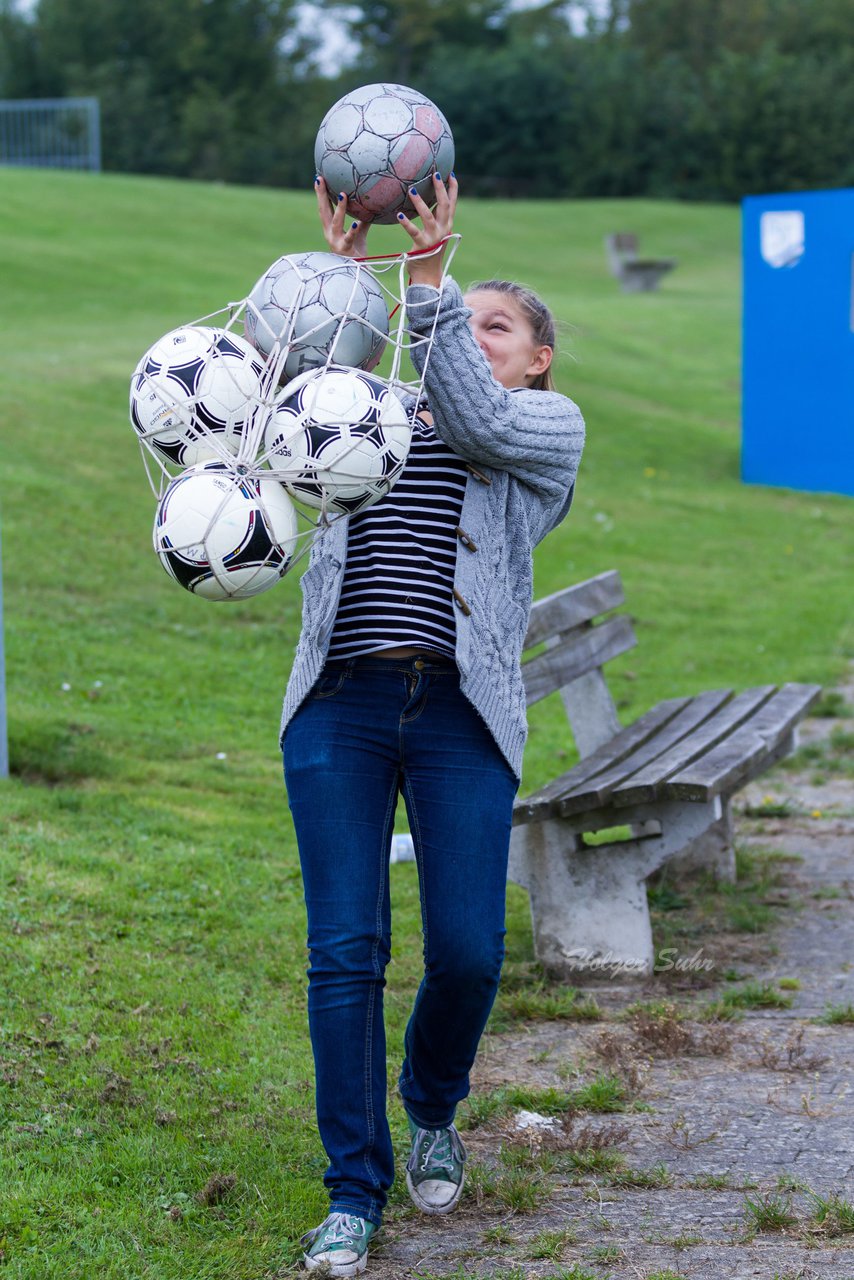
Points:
(151, 924)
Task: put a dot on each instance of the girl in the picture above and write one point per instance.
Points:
(407, 679)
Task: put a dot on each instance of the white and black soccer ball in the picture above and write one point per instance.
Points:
(222, 535)
(376, 143)
(339, 440)
(323, 307)
(195, 392)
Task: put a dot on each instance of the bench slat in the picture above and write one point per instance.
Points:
(575, 655)
(539, 804)
(685, 722)
(646, 785)
(574, 606)
(737, 759)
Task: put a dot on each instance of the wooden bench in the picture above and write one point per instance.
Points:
(635, 274)
(667, 780)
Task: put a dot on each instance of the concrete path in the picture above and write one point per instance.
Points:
(760, 1110)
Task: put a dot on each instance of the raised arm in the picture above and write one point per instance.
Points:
(537, 436)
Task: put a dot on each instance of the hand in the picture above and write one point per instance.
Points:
(436, 224)
(350, 241)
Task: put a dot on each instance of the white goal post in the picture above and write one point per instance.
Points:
(51, 133)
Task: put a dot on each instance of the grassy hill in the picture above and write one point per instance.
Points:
(151, 928)
(739, 584)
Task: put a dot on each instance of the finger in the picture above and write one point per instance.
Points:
(424, 212)
(417, 200)
(453, 193)
(339, 213)
(446, 199)
(442, 189)
(351, 233)
(323, 206)
(409, 227)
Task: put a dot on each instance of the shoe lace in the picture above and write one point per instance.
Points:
(339, 1228)
(436, 1150)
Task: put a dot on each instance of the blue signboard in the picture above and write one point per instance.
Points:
(798, 353)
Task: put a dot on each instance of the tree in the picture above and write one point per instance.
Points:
(400, 38)
(186, 86)
(18, 56)
(697, 99)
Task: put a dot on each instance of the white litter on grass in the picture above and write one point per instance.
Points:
(65, 687)
(222, 755)
(402, 848)
(533, 1120)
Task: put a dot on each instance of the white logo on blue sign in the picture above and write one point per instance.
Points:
(781, 237)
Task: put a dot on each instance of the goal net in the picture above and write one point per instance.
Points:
(50, 133)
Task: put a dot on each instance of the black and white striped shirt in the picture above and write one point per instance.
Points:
(401, 554)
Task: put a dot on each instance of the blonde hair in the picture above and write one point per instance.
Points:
(535, 311)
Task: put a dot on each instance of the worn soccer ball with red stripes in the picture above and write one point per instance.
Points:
(223, 535)
(195, 392)
(377, 142)
(338, 440)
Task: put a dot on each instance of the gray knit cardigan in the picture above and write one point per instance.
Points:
(523, 448)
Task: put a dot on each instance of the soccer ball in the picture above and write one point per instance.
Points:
(222, 535)
(338, 440)
(322, 306)
(379, 141)
(194, 393)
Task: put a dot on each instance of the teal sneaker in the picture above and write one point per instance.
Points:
(435, 1168)
(340, 1244)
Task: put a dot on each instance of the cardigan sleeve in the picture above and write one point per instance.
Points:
(536, 436)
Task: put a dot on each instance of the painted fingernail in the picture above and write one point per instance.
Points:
(413, 191)
(316, 179)
(438, 176)
(400, 217)
(354, 226)
(341, 195)
(453, 175)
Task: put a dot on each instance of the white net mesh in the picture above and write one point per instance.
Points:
(262, 423)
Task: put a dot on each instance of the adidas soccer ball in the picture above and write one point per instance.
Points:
(222, 535)
(376, 143)
(339, 440)
(195, 392)
(323, 307)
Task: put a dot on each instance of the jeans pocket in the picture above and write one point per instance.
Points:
(328, 684)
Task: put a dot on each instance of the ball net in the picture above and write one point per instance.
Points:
(258, 429)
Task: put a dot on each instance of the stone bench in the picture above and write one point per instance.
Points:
(635, 274)
(659, 790)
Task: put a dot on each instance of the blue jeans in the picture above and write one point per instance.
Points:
(371, 728)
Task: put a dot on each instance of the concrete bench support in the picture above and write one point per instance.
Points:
(589, 903)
